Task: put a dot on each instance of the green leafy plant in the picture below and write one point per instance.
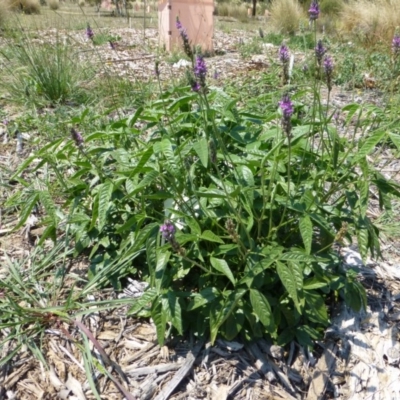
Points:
(229, 206)
(254, 213)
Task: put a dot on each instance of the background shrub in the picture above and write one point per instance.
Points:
(286, 15)
(54, 4)
(370, 21)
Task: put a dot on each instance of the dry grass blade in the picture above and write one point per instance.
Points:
(106, 359)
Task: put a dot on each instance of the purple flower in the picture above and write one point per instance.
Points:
(168, 231)
(328, 68)
(284, 54)
(178, 24)
(396, 44)
(89, 32)
(200, 70)
(195, 86)
(77, 137)
(313, 11)
(328, 65)
(6, 122)
(286, 106)
(185, 39)
(320, 51)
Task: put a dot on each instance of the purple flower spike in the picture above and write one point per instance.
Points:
(185, 38)
(313, 11)
(196, 86)
(396, 44)
(6, 122)
(200, 70)
(284, 54)
(89, 32)
(328, 68)
(77, 137)
(168, 231)
(286, 106)
(328, 65)
(320, 51)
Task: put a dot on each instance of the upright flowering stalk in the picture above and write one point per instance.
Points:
(200, 71)
(284, 58)
(167, 231)
(157, 69)
(313, 11)
(320, 51)
(286, 106)
(89, 32)
(396, 45)
(77, 137)
(328, 68)
(187, 48)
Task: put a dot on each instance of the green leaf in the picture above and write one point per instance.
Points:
(160, 319)
(297, 255)
(193, 225)
(368, 145)
(306, 231)
(286, 275)
(364, 195)
(104, 195)
(27, 209)
(175, 311)
(262, 309)
(219, 313)
(395, 138)
(211, 237)
(48, 204)
(201, 148)
(162, 261)
(233, 325)
(133, 118)
(222, 266)
(315, 308)
(206, 296)
(143, 160)
(147, 298)
(314, 283)
(354, 292)
(168, 152)
(286, 336)
(148, 178)
(362, 238)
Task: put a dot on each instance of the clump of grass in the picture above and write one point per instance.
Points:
(331, 7)
(54, 4)
(30, 6)
(371, 21)
(286, 15)
(44, 72)
(237, 11)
